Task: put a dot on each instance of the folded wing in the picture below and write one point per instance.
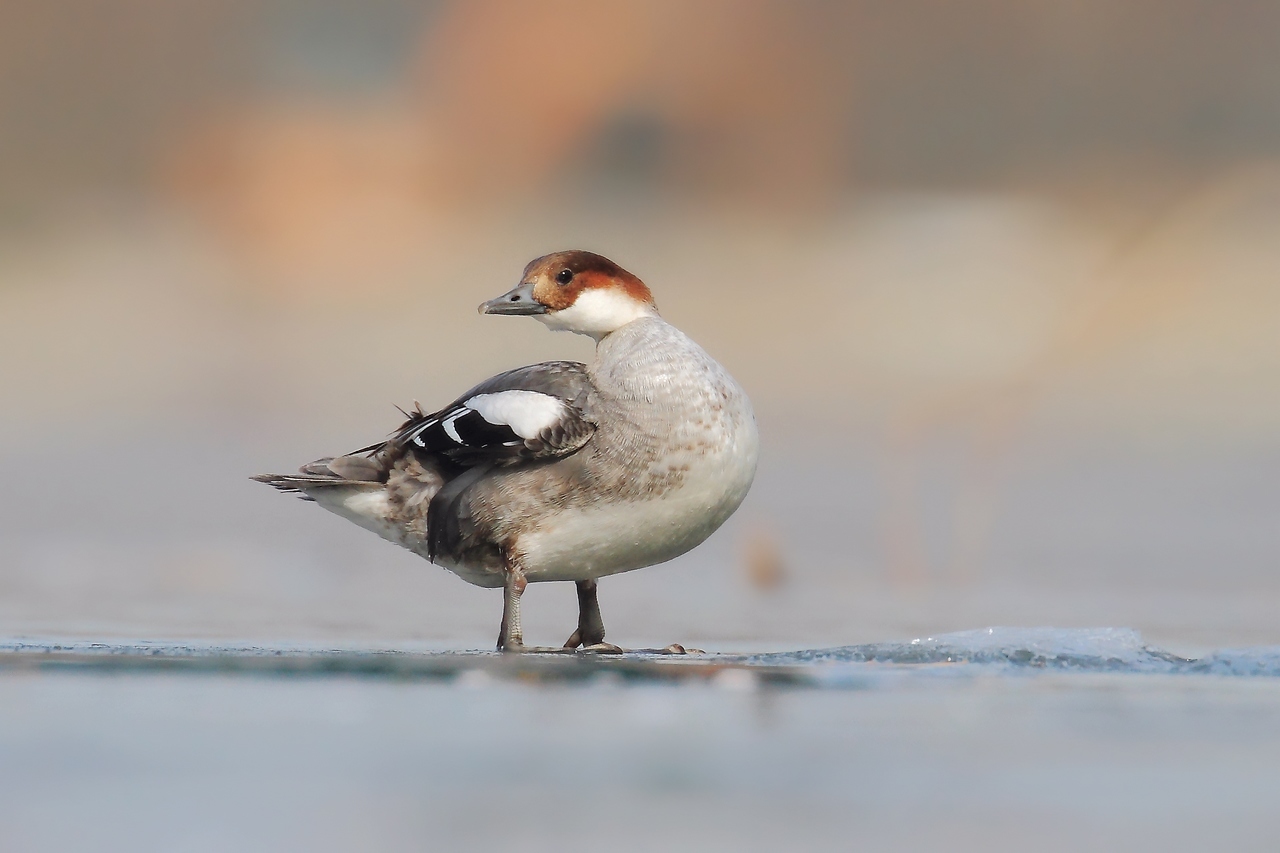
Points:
(531, 413)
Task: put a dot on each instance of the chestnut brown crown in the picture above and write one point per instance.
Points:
(559, 278)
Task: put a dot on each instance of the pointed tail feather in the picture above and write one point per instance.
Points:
(326, 473)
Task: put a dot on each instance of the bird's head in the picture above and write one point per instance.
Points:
(577, 291)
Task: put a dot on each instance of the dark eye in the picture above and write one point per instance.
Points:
(564, 276)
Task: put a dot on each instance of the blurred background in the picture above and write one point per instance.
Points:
(1002, 279)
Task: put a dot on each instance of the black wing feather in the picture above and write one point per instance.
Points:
(463, 436)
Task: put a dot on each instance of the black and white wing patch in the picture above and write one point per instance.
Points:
(500, 426)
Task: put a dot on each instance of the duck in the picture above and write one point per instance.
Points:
(559, 471)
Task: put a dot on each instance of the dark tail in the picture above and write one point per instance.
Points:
(323, 473)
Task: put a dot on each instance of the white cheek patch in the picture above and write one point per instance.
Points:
(598, 311)
(528, 413)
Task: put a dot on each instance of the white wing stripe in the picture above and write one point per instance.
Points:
(528, 413)
(450, 429)
(416, 435)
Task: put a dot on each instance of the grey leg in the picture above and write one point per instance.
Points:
(590, 626)
(511, 636)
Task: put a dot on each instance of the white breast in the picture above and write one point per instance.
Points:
(610, 537)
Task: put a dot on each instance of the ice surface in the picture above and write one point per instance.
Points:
(1093, 649)
(987, 650)
(997, 739)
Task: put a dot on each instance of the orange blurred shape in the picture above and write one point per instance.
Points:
(307, 189)
(748, 93)
(762, 561)
(505, 101)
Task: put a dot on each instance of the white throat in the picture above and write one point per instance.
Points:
(597, 312)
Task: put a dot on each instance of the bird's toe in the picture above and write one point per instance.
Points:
(604, 649)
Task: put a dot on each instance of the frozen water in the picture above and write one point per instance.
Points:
(1089, 648)
(1108, 649)
(995, 739)
(1093, 649)
(987, 650)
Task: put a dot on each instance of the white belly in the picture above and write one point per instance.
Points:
(617, 537)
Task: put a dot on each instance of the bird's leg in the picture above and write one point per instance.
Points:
(590, 633)
(510, 636)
